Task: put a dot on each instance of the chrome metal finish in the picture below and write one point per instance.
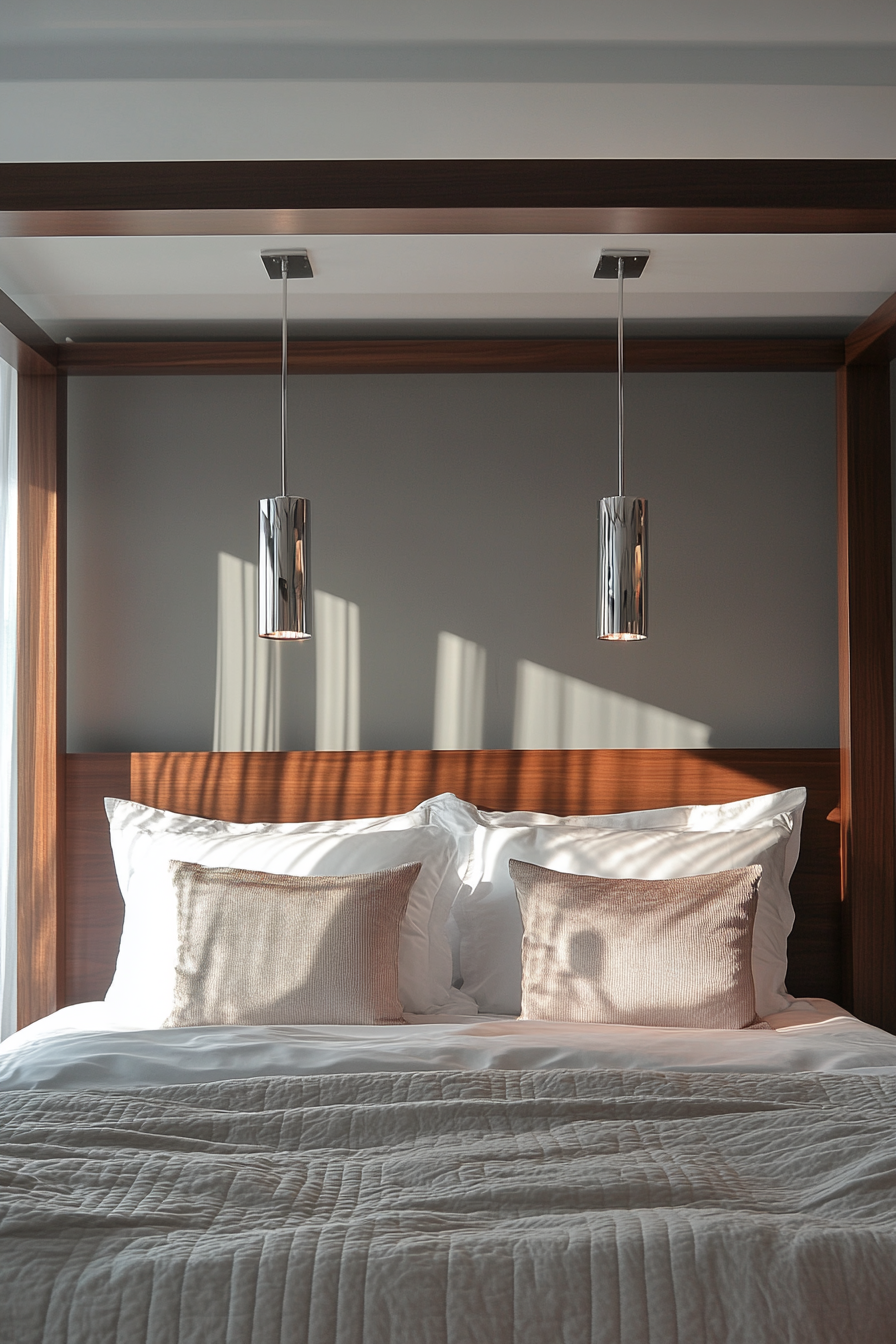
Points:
(622, 569)
(633, 262)
(622, 552)
(284, 587)
(298, 264)
(284, 583)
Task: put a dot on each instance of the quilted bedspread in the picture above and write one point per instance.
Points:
(453, 1208)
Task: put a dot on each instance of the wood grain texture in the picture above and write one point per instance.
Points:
(295, 786)
(25, 330)
(450, 356)
(874, 340)
(94, 910)
(866, 688)
(281, 222)
(21, 356)
(809, 185)
(41, 695)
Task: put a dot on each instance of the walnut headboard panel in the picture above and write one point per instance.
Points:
(300, 786)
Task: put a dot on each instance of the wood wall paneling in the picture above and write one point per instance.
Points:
(306, 785)
(296, 786)
(451, 356)
(866, 688)
(94, 910)
(41, 693)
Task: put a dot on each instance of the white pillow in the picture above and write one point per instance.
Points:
(787, 806)
(461, 818)
(488, 916)
(145, 839)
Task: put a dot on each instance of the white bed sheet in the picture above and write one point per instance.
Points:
(82, 1046)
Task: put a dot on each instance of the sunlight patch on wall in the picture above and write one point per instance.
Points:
(459, 715)
(337, 640)
(553, 710)
(247, 683)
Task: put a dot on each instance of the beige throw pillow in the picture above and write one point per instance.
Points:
(667, 953)
(262, 948)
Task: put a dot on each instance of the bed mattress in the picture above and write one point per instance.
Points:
(82, 1046)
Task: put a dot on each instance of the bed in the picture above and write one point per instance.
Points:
(464, 1174)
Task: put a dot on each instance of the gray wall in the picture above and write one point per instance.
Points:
(464, 503)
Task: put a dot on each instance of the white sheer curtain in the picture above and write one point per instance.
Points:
(8, 546)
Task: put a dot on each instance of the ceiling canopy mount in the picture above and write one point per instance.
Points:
(633, 263)
(298, 264)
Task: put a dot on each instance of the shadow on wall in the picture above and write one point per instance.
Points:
(553, 710)
(459, 716)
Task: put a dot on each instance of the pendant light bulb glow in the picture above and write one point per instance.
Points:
(622, 519)
(284, 586)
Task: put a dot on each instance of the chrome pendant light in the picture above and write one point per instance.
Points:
(622, 555)
(284, 585)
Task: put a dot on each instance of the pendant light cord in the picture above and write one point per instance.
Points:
(284, 272)
(620, 274)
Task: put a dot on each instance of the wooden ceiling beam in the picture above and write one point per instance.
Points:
(451, 196)
(669, 355)
(377, 184)
(874, 340)
(16, 323)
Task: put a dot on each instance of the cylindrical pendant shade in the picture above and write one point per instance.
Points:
(284, 585)
(622, 569)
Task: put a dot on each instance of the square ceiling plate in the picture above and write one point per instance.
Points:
(298, 266)
(633, 265)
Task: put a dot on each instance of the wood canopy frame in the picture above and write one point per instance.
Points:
(527, 196)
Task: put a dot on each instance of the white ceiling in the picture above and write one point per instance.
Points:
(121, 120)
(89, 286)
(847, 21)
(255, 79)
(111, 80)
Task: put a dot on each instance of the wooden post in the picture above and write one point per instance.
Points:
(868, 821)
(41, 690)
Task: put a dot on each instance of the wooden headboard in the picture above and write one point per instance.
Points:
(306, 786)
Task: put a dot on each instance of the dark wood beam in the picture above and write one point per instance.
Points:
(450, 356)
(434, 196)
(17, 322)
(378, 184)
(41, 694)
(868, 819)
(874, 340)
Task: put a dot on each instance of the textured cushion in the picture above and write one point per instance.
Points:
(263, 948)
(673, 953)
